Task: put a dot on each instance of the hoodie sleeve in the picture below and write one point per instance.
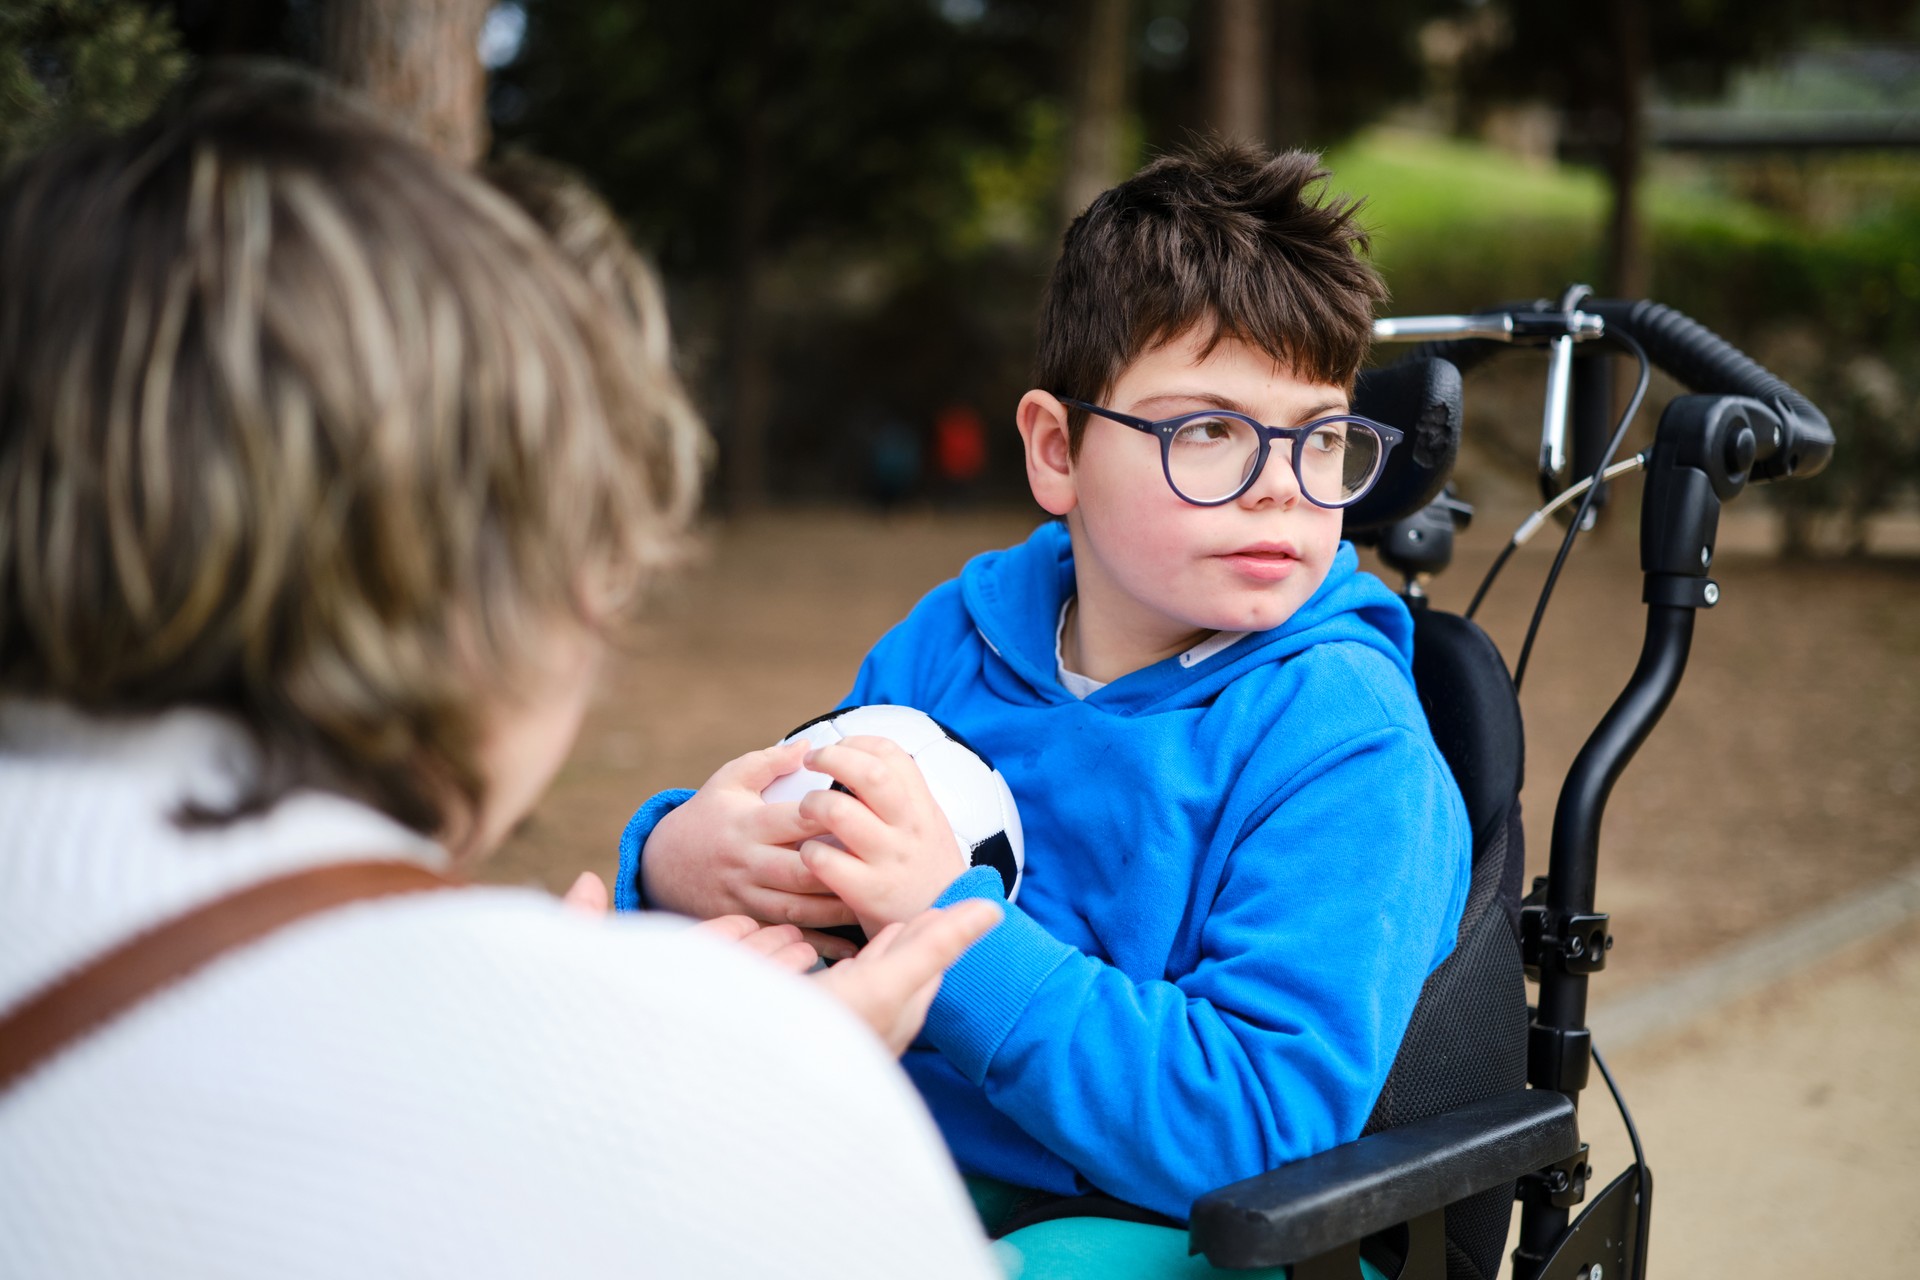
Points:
(1275, 1044)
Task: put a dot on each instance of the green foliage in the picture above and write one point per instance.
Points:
(81, 64)
(1835, 311)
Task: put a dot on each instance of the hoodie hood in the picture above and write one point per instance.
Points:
(1013, 598)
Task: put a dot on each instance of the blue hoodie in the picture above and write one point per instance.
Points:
(1239, 871)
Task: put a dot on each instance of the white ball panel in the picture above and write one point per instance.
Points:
(789, 789)
(964, 788)
(912, 729)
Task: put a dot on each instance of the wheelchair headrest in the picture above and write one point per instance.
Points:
(1421, 396)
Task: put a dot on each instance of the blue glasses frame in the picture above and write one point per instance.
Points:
(1167, 428)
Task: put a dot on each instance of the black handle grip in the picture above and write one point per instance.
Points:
(1708, 363)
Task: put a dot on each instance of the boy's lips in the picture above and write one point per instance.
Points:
(1264, 561)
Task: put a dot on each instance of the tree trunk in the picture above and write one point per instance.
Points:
(1626, 251)
(1236, 71)
(1290, 73)
(748, 395)
(418, 61)
(1097, 122)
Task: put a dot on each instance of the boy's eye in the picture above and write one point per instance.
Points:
(1207, 431)
(1328, 439)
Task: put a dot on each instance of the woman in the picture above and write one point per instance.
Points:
(321, 474)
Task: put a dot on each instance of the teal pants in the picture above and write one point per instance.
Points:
(1098, 1248)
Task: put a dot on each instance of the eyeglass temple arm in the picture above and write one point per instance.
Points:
(1143, 424)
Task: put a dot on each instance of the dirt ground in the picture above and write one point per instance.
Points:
(1785, 775)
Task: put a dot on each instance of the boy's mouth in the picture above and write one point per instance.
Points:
(1264, 561)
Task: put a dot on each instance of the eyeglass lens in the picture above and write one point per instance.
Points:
(1209, 459)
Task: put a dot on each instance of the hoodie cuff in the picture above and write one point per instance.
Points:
(626, 882)
(987, 990)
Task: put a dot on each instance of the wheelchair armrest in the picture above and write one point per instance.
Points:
(1306, 1208)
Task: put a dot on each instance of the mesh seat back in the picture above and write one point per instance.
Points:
(1467, 1039)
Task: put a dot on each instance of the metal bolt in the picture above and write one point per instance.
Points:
(1595, 1272)
(1706, 556)
(1576, 947)
(1713, 593)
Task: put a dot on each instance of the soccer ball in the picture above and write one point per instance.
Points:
(970, 791)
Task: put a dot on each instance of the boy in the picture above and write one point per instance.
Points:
(1244, 852)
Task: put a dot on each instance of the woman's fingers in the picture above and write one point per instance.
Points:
(891, 984)
(930, 942)
(830, 946)
(771, 938)
(782, 944)
(589, 894)
(728, 928)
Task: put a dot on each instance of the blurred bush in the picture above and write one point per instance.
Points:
(80, 64)
(1834, 309)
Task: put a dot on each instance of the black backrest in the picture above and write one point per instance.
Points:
(1468, 1037)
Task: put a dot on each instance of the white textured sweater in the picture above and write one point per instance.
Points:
(476, 1083)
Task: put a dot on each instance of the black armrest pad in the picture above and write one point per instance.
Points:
(1301, 1210)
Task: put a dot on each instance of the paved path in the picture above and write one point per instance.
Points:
(1784, 1128)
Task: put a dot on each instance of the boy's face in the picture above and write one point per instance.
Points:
(1158, 569)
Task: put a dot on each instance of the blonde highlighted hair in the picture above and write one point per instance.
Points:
(299, 423)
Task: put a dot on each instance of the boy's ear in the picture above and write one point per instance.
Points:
(1043, 427)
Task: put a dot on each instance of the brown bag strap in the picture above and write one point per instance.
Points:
(108, 985)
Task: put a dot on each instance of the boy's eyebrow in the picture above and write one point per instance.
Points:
(1227, 402)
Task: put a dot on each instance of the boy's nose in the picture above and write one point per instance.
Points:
(1276, 485)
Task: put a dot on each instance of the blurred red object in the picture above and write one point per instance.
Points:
(959, 444)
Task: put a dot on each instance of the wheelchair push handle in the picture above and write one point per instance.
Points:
(1707, 363)
(1676, 343)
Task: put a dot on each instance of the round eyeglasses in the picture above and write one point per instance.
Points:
(1213, 456)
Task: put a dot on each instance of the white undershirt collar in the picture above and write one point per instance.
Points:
(1080, 686)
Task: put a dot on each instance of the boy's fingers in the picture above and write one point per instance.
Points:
(805, 910)
(756, 770)
(873, 769)
(781, 823)
(780, 869)
(858, 827)
(839, 870)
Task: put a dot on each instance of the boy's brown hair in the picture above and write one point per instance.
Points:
(304, 425)
(1227, 237)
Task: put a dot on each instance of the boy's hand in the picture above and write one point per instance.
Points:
(727, 852)
(893, 980)
(897, 849)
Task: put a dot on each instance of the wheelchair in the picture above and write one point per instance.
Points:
(1480, 1107)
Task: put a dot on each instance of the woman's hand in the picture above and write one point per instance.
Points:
(728, 852)
(893, 980)
(783, 944)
